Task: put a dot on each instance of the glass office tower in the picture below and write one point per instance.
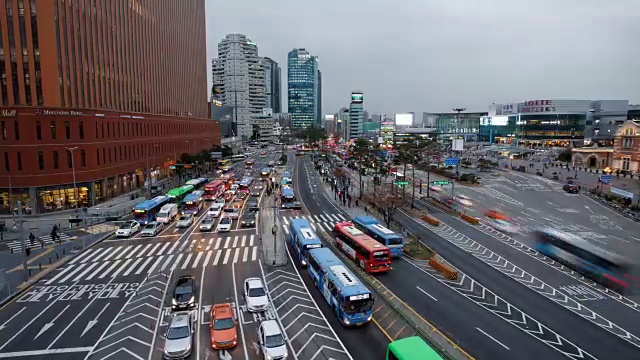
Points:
(303, 88)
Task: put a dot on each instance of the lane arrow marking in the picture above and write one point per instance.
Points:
(224, 355)
(51, 323)
(91, 323)
(11, 318)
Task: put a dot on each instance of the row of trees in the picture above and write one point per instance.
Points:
(313, 136)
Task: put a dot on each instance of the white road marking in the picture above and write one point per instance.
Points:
(492, 338)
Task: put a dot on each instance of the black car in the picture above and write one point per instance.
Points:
(253, 206)
(184, 293)
(256, 190)
(571, 188)
(248, 219)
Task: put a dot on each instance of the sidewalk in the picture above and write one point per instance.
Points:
(40, 260)
(274, 251)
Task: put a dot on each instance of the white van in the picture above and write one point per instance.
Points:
(167, 213)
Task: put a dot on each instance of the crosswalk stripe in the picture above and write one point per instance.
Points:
(341, 217)
(184, 245)
(254, 255)
(244, 240)
(86, 258)
(245, 255)
(133, 251)
(155, 264)
(186, 262)
(206, 259)
(62, 272)
(235, 242)
(313, 226)
(175, 264)
(106, 251)
(141, 253)
(215, 261)
(162, 250)
(122, 253)
(317, 218)
(209, 244)
(80, 256)
(251, 240)
(226, 256)
(218, 241)
(144, 264)
(153, 250)
(112, 253)
(119, 269)
(286, 230)
(93, 274)
(132, 267)
(69, 275)
(113, 266)
(321, 216)
(196, 261)
(226, 242)
(173, 247)
(166, 263)
(286, 221)
(235, 255)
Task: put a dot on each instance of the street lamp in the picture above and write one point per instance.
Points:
(73, 171)
(149, 172)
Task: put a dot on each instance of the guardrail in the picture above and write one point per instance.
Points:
(401, 309)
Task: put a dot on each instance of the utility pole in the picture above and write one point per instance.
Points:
(25, 266)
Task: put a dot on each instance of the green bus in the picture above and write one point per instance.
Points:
(179, 193)
(411, 348)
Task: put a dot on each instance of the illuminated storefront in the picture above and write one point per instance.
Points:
(537, 123)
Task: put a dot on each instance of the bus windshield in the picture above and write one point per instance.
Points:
(358, 306)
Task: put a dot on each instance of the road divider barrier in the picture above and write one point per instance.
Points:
(470, 219)
(441, 266)
(430, 220)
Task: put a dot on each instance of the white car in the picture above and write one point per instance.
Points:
(215, 210)
(224, 225)
(207, 224)
(272, 341)
(185, 221)
(255, 295)
(464, 200)
(128, 228)
(233, 189)
(152, 229)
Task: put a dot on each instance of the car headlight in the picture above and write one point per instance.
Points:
(173, 301)
(192, 300)
(346, 321)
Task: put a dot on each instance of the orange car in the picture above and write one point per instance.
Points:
(496, 214)
(224, 334)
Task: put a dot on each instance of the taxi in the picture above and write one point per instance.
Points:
(222, 324)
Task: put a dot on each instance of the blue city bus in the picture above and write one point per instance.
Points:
(351, 301)
(288, 198)
(198, 183)
(302, 239)
(146, 211)
(193, 203)
(372, 227)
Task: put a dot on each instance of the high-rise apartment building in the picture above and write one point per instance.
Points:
(319, 97)
(103, 95)
(302, 82)
(356, 116)
(239, 76)
(272, 76)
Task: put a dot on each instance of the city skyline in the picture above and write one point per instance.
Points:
(469, 54)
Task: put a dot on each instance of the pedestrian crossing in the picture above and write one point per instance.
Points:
(16, 246)
(318, 222)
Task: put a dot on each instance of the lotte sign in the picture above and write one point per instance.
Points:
(538, 106)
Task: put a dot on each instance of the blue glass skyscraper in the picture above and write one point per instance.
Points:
(303, 88)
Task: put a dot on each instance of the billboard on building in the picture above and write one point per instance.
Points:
(357, 98)
(509, 109)
(457, 144)
(329, 117)
(404, 119)
(494, 120)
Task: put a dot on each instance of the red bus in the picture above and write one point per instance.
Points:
(372, 256)
(214, 189)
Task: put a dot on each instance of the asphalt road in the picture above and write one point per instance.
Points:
(466, 323)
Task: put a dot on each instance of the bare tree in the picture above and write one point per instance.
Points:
(386, 202)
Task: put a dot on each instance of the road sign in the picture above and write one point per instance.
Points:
(451, 161)
(605, 178)
(400, 182)
(440, 182)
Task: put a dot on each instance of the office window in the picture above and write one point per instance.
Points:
(83, 158)
(96, 130)
(3, 128)
(38, 130)
(55, 160)
(6, 161)
(81, 129)
(19, 161)
(41, 160)
(67, 130)
(54, 130)
(104, 157)
(98, 155)
(69, 159)
(16, 128)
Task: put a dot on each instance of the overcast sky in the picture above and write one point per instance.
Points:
(433, 55)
